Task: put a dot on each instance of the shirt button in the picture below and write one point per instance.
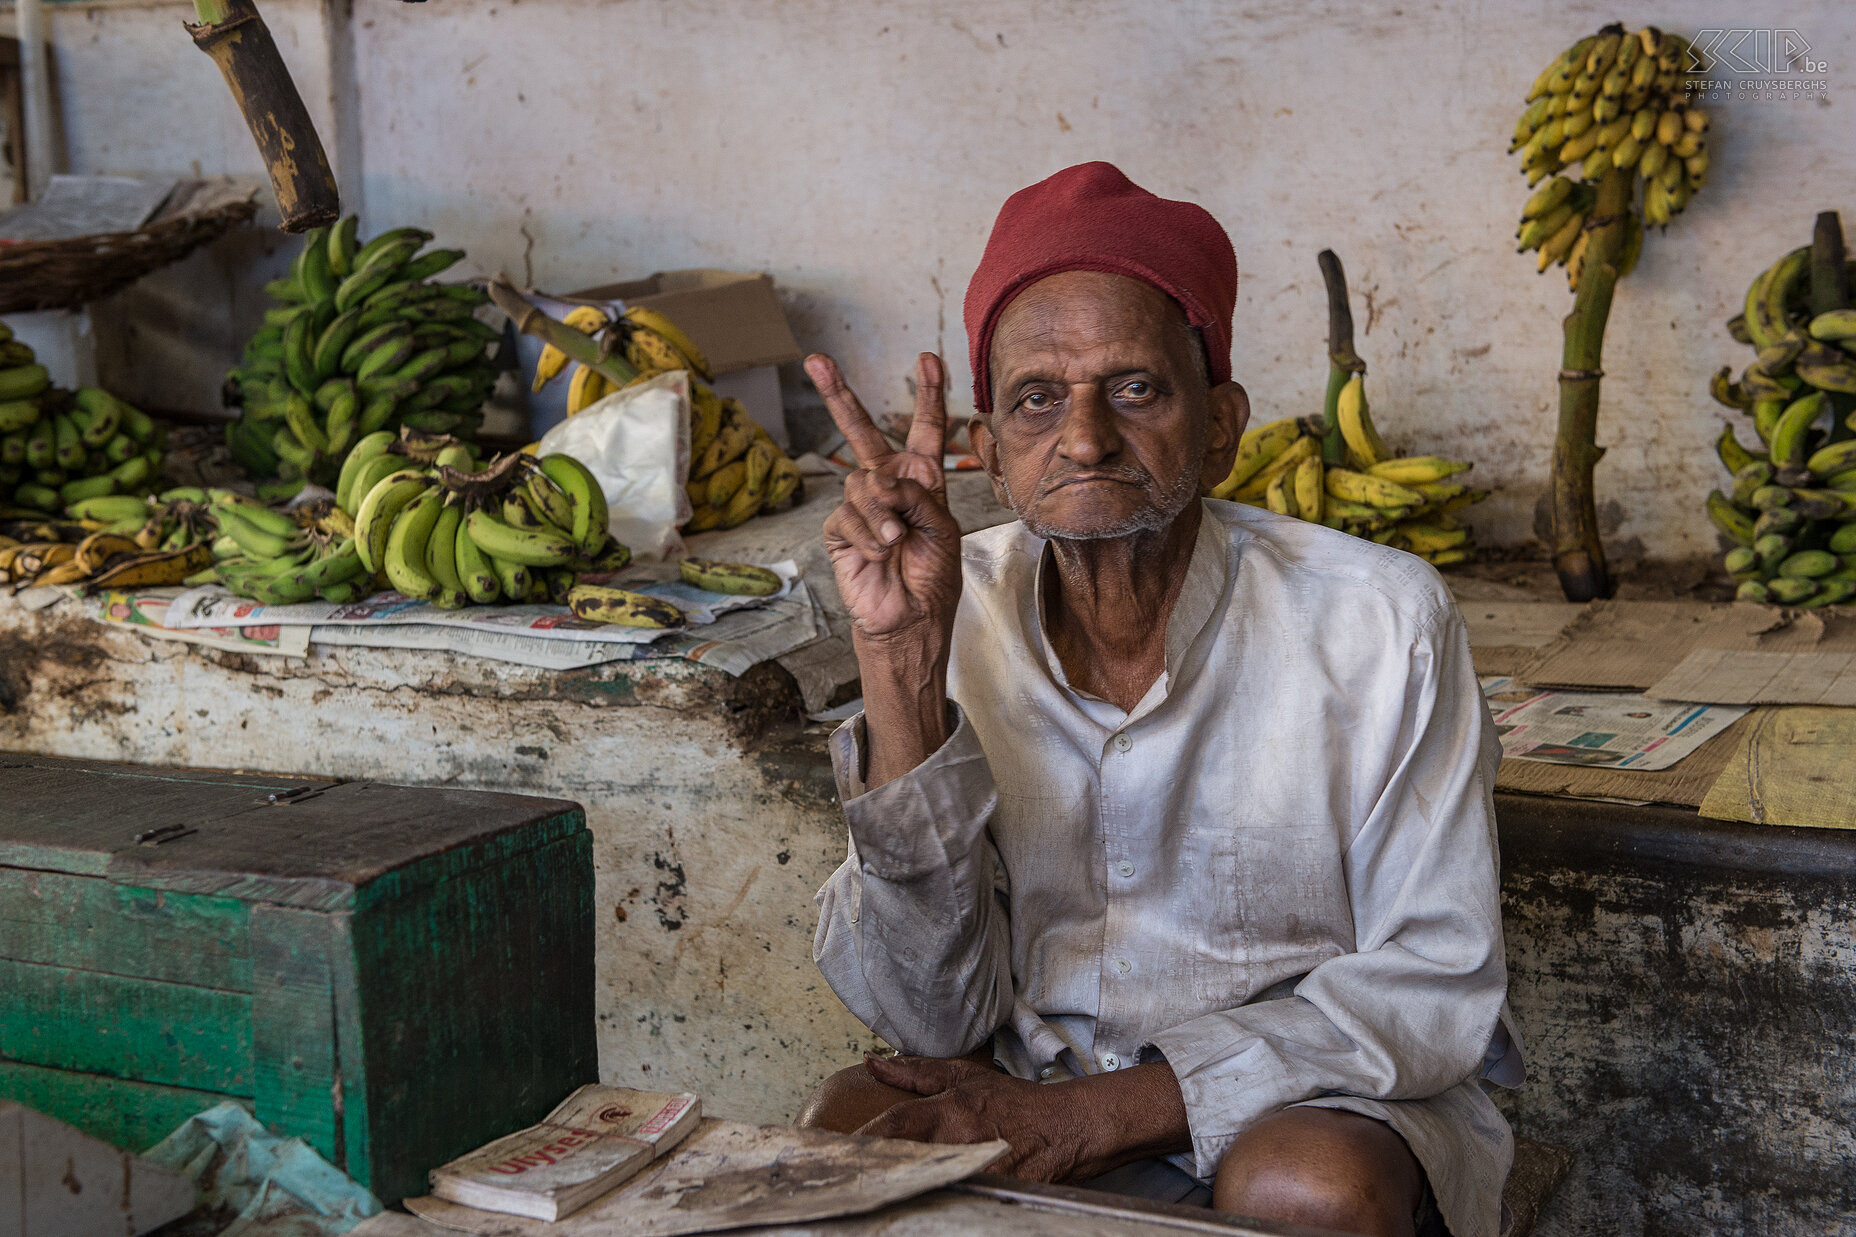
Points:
(1123, 965)
(1123, 743)
(1047, 1071)
(1110, 1061)
(1125, 868)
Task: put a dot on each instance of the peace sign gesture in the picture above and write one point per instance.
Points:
(894, 546)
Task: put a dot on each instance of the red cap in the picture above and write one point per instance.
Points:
(1093, 218)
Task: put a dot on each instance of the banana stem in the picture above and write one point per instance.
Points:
(235, 36)
(1830, 289)
(1343, 362)
(1578, 555)
(577, 344)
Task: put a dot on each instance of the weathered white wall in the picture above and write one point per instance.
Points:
(858, 152)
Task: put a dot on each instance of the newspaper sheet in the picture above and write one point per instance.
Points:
(147, 611)
(734, 642)
(215, 606)
(1609, 730)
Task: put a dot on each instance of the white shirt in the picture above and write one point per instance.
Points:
(1278, 872)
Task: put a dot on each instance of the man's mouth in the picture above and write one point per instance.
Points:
(1138, 480)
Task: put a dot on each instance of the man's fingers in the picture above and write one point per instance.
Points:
(847, 412)
(922, 1075)
(928, 431)
(847, 526)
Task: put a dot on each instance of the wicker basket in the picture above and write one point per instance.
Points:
(64, 274)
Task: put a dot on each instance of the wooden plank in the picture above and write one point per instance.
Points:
(317, 850)
(71, 815)
(299, 1080)
(89, 924)
(131, 1115)
(173, 1034)
(501, 993)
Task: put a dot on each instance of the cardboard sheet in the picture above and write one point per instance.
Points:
(1504, 635)
(1791, 767)
(730, 1175)
(1726, 676)
(1632, 645)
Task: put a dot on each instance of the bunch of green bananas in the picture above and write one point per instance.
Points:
(171, 520)
(1615, 99)
(61, 447)
(1790, 513)
(1401, 501)
(360, 340)
(280, 557)
(518, 529)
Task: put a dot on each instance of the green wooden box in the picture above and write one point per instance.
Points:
(394, 975)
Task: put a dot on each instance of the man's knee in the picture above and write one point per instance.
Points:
(1324, 1168)
(849, 1100)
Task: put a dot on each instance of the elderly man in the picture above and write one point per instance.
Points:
(1172, 849)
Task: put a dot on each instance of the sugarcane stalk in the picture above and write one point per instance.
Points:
(531, 319)
(1830, 289)
(1578, 555)
(235, 36)
(1343, 361)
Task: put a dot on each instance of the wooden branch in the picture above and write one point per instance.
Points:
(1343, 361)
(235, 36)
(1578, 556)
(577, 344)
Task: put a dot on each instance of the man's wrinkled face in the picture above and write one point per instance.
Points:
(1104, 423)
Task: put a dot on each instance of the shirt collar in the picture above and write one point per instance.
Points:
(1208, 572)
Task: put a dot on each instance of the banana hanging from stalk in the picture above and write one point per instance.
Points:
(588, 318)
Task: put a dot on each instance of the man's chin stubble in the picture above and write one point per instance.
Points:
(1156, 516)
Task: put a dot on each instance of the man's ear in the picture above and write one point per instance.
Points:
(980, 436)
(1230, 413)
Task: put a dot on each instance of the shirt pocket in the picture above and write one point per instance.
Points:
(1268, 903)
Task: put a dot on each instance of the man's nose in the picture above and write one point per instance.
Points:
(1089, 432)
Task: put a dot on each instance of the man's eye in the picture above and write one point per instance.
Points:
(1138, 389)
(1036, 401)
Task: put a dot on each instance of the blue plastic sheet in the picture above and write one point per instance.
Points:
(277, 1187)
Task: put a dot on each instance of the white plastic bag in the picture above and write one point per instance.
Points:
(637, 442)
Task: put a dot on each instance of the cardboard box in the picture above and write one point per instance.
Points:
(735, 318)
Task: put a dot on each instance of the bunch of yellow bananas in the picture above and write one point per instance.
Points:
(1402, 501)
(736, 469)
(1615, 100)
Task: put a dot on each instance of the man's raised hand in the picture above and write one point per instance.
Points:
(894, 546)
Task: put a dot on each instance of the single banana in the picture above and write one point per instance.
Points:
(587, 387)
(529, 547)
(380, 510)
(371, 446)
(1789, 434)
(1356, 423)
(1309, 490)
(693, 356)
(441, 557)
(1373, 491)
(1280, 495)
(405, 557)
(586, 499)
(1732, 521)
(1418, 469)
(546, 500)
(1827, 368)
(475, 570)
(741, 579)
(603, 604)
(1831, 326)
(782, 483)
